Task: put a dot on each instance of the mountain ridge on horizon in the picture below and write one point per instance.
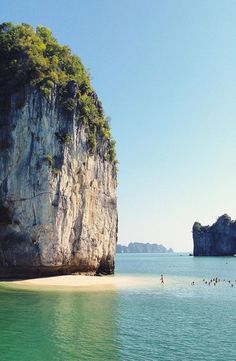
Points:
(140, 247)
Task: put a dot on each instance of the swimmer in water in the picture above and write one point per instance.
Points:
(162, 279)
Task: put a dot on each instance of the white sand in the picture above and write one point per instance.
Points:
(87, 282)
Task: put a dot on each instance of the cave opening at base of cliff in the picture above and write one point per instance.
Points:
(106, 266)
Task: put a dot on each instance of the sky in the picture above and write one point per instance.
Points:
(165, 71)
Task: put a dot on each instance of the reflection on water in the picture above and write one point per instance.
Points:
(173, 322)
(58, 326)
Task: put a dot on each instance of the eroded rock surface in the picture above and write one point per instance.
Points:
(58, 209)
(216, 240)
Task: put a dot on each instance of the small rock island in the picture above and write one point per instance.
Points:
(58, 206)
(216, 240)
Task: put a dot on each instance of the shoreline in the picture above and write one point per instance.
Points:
(82, 282)
(115, 282)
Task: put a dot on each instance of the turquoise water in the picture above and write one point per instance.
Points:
(174, 322)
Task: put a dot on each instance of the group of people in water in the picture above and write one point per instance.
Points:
(214, 281)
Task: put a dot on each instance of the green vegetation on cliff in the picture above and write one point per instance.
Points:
(34, 57)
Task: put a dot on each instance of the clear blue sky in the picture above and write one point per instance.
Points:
(165, 71)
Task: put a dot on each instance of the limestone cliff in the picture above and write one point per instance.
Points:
(216, 240)
(58, 208)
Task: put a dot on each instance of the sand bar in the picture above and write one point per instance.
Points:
(82, 282)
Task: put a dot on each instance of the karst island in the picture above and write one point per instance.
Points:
(58, 205)
(216, 240)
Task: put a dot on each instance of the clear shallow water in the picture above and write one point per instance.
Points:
(176, 322)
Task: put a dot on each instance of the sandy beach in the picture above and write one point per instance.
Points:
(83, 282)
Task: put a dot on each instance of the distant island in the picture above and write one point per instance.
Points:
(136, 247)
(216, 240)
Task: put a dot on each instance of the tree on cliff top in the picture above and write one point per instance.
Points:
(33, 56)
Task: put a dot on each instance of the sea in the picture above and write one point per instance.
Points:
(190, 317)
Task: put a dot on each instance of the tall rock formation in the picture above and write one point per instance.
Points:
(58, 208)
(216, 240)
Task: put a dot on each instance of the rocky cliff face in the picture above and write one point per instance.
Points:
(58, 211)
(216, 240)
